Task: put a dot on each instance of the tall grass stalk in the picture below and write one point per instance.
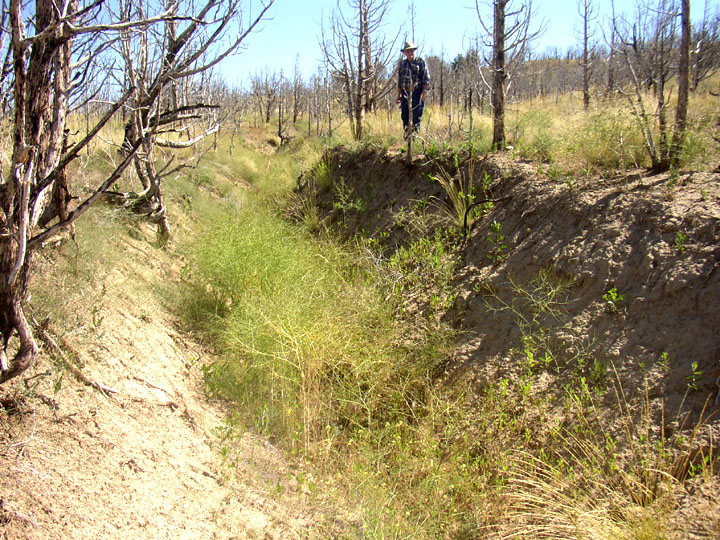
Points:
(308, 345)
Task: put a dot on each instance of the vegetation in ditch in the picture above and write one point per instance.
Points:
(323, 348)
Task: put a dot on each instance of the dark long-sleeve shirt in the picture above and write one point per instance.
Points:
(414, 71)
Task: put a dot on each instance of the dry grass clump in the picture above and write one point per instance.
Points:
(589, 486)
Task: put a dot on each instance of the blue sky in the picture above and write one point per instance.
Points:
(293, 31)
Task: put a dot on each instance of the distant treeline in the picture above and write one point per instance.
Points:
(641, 52)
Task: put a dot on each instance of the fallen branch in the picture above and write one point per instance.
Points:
(170, 403)
(60, 355)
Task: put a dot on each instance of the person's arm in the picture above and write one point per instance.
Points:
(425, 81)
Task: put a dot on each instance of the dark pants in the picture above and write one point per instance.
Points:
(417, 109)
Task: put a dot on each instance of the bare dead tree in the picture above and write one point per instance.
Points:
(297, 87)
(511, 37)
(412, 15)
(588, 17)
(266, 92)
(314, 102)
(683, 85)
(652, 56)
(174, 56)
(55, 49)
(467, 86)
(438, 66)
(285, 96)
(40, 46)
(499, 73)
(236, 107)
(705, 53)
(612, 57)
(234, 104)
(327, 90)
(358, 54)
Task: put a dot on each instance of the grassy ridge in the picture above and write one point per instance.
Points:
(558, 132)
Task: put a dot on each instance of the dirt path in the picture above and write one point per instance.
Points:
(147, 461)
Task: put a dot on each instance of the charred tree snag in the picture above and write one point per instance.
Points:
(358, 55)
(511, 38)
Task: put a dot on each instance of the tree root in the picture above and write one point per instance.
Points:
(28, 351)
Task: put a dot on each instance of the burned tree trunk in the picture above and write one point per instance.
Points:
(36, 152)
(683, 85)
(499, 74)
(588, 15)
(511, 38)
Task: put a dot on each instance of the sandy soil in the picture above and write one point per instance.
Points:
(149, 460)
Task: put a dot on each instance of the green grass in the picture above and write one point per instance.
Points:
(308, 342)
(71, 271)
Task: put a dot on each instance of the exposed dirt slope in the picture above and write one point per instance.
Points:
(657, 246)
(540, 286)
(147, 461)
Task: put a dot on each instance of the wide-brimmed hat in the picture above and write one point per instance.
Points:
(409, 46)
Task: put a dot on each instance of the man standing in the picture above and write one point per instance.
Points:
(413, 82)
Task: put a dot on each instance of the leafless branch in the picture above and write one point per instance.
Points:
(191, 142)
